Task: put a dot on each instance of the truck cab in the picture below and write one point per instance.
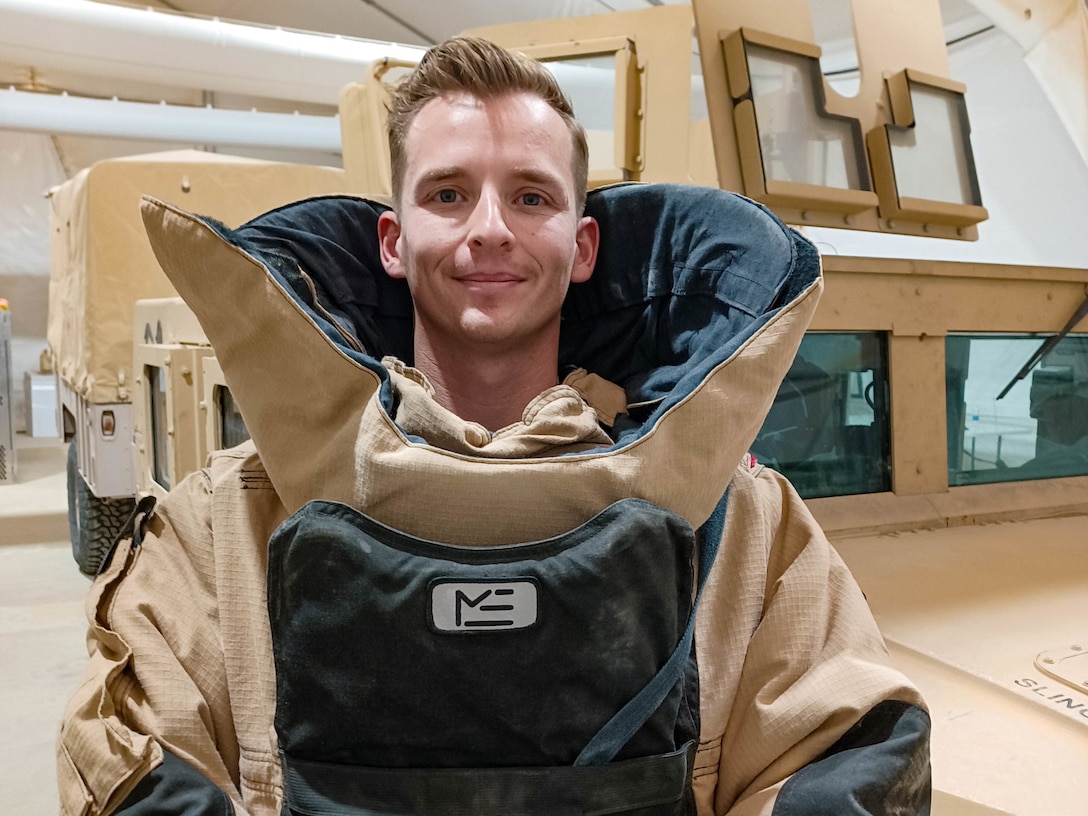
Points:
(101, 265)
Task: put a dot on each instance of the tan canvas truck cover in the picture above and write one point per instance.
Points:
(101, 262)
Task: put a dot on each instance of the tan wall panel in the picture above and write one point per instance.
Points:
(919, 440)
(934, 298)
(28, 296)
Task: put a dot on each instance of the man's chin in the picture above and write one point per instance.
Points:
(486, 329)
(487, 334)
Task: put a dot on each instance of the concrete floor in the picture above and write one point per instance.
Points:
(42, 625)
(968, 612)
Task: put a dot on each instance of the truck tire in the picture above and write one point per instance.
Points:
(93, 523)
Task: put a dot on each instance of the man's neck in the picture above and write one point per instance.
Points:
(481, 386)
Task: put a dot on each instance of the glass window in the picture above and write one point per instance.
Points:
(155, 377)
(828, 428)
(799, 140)
(933, 159)
(590, 84)
(1038, 430)
(232, 428)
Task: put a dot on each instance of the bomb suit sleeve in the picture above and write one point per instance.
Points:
(151, 728)
(802, 712)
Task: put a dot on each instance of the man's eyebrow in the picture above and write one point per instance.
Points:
(542, 178)
(535, 176)
(441, 174)
(529, 174)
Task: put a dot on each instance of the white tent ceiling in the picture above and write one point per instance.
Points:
(116, 50)
(30, 163)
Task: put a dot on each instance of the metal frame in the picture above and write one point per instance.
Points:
(894, 206)
(213, 421)
(776, 193)
(628, 100)
(891, 38)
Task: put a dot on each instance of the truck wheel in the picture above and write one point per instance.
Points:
(93, 523)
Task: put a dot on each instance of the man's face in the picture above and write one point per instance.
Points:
(486, 232)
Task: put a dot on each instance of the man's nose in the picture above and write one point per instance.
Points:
(487, 224)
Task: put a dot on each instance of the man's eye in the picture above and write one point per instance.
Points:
(532, 199)
(447, 196)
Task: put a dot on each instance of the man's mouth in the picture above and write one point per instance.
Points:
(489, 278)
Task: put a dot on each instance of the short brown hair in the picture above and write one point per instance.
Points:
(479, 68)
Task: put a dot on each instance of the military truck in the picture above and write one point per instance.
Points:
(933, 414)
(101, 264)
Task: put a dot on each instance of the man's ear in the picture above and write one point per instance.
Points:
(586, 242)
(389, 244)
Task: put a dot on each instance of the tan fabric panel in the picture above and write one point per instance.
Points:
(181, 652)
(66, 280)
(326, 436)
(100, 759)
(561, 417)
(101, 260)
(790, 654)
(243, 518)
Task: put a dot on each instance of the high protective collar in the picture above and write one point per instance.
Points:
(696, 307)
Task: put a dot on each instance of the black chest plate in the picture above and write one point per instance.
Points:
(407, 658)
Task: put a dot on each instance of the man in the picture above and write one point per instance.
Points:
(359, 684)
(487, 228)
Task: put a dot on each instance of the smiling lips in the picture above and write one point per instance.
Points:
(482, 278)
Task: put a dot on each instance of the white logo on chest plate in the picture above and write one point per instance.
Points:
(483, 606)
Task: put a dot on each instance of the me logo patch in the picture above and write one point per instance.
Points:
(483, 606)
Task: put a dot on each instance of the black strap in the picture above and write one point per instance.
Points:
(646, 785)
(608, 742)
(144, 509)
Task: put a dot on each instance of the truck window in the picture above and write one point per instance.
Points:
(155, 377)
(800, 141)
(1038, 430)
(590, 82)
(828, 427)
(232, 428)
